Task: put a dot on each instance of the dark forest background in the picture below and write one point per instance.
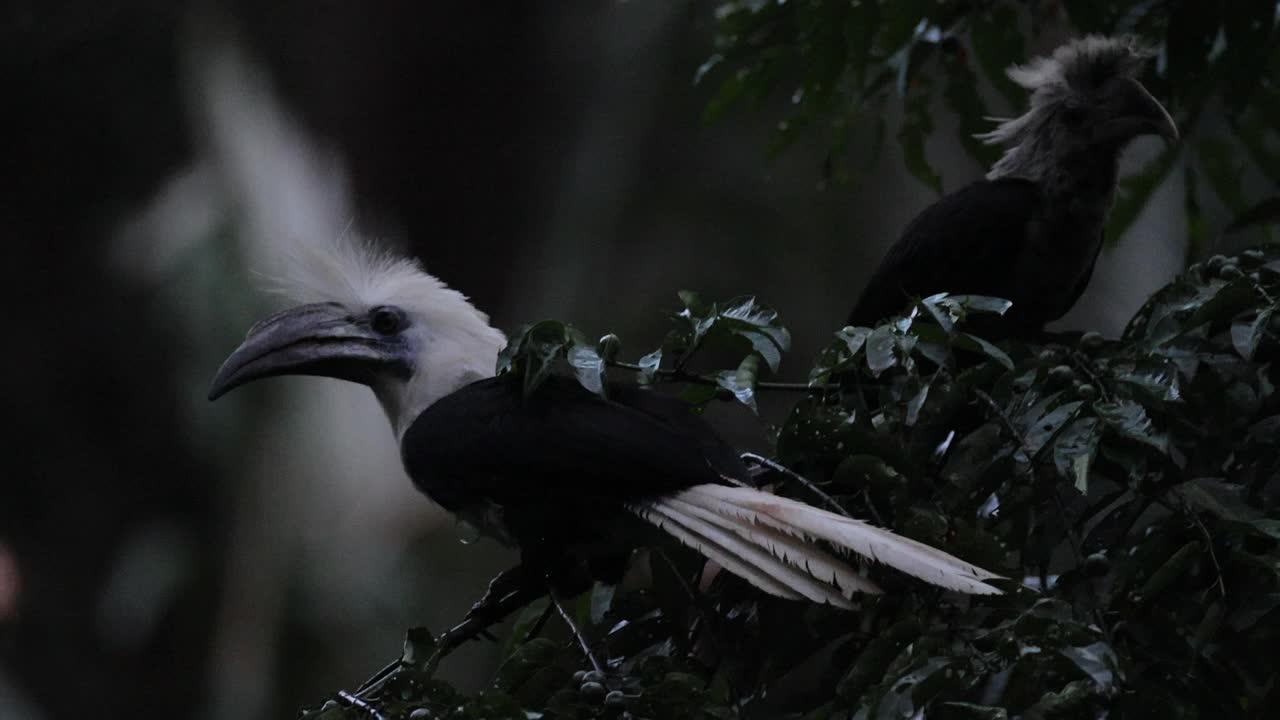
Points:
(160, 556)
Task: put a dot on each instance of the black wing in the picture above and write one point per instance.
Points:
(966, 243)
(486, 443)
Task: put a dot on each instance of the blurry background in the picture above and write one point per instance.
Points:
(163, 556)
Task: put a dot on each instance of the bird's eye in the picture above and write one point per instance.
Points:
(1073, 111)
(386, 320)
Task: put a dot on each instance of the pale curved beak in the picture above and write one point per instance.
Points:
(1144, 114)
(319, 339)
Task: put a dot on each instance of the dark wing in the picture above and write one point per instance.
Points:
(1083, 282)
(487, 443)
(966, 243)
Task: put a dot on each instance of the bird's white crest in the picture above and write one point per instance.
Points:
(1072, 70)
(455, 342)
(295, 196)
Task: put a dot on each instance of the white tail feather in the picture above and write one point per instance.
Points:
(770, 542)
(750, 562)
(805, 556)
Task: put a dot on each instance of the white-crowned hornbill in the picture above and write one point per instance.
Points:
(564, 475)
(1031, 231)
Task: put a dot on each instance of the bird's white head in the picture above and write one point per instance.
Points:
(1086, 102)
(372, 317)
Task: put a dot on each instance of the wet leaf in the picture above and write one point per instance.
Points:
(741, 382)
(1246, 334)
(1129, 420)
(588, 367)
(880, 347)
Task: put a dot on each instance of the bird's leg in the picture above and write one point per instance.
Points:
(496, 603)
(480, 619)
(573, 628)
(537, 626)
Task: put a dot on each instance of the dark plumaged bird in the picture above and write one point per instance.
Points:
(1031, 231)
(571, 479)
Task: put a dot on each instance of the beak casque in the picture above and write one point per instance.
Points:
(319, 339)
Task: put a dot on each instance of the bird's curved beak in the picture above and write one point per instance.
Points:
(1140, 114)
(318, 339)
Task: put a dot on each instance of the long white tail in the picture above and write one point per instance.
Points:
(770, 541)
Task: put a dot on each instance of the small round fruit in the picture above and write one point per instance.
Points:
(1092, 340)
(608, 346)
(592, 690)
(1062, 374)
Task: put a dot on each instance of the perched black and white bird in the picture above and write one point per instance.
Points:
(565, 475)
(1031, 231)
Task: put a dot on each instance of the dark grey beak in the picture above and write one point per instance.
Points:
(1142, 114)
(319, 339)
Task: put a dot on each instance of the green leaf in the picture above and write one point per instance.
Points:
(880, 345)
(1219, 498)
(1129, 420)
(1075, 450)
(971, 711)
(534, 352)
(916, 404)
(872, 662)
(1097, 660)
(588, 366)
(524, 623)
(977, 344)
(853, 338)
(1172, 570)
(749, 319)
(649, 365)
(742, 382)
(940, 311)
(1245, 335)
(1047, 425)
(980, 304)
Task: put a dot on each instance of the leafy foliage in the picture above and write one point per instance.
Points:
(840, 63)
(738, 325)
(1129, 489)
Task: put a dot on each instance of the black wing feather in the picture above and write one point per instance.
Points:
(966, 243)
(486, 443)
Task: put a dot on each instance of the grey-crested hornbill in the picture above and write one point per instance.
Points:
(1031, 231)
(565, 476)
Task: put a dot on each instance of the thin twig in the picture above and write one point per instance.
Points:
(1008, 424)
(573, 630)
(1087, 368)
(704, 615)
(380, 677)
(1213, 556)
(679, 375)
(788, 472)
(361, 704)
